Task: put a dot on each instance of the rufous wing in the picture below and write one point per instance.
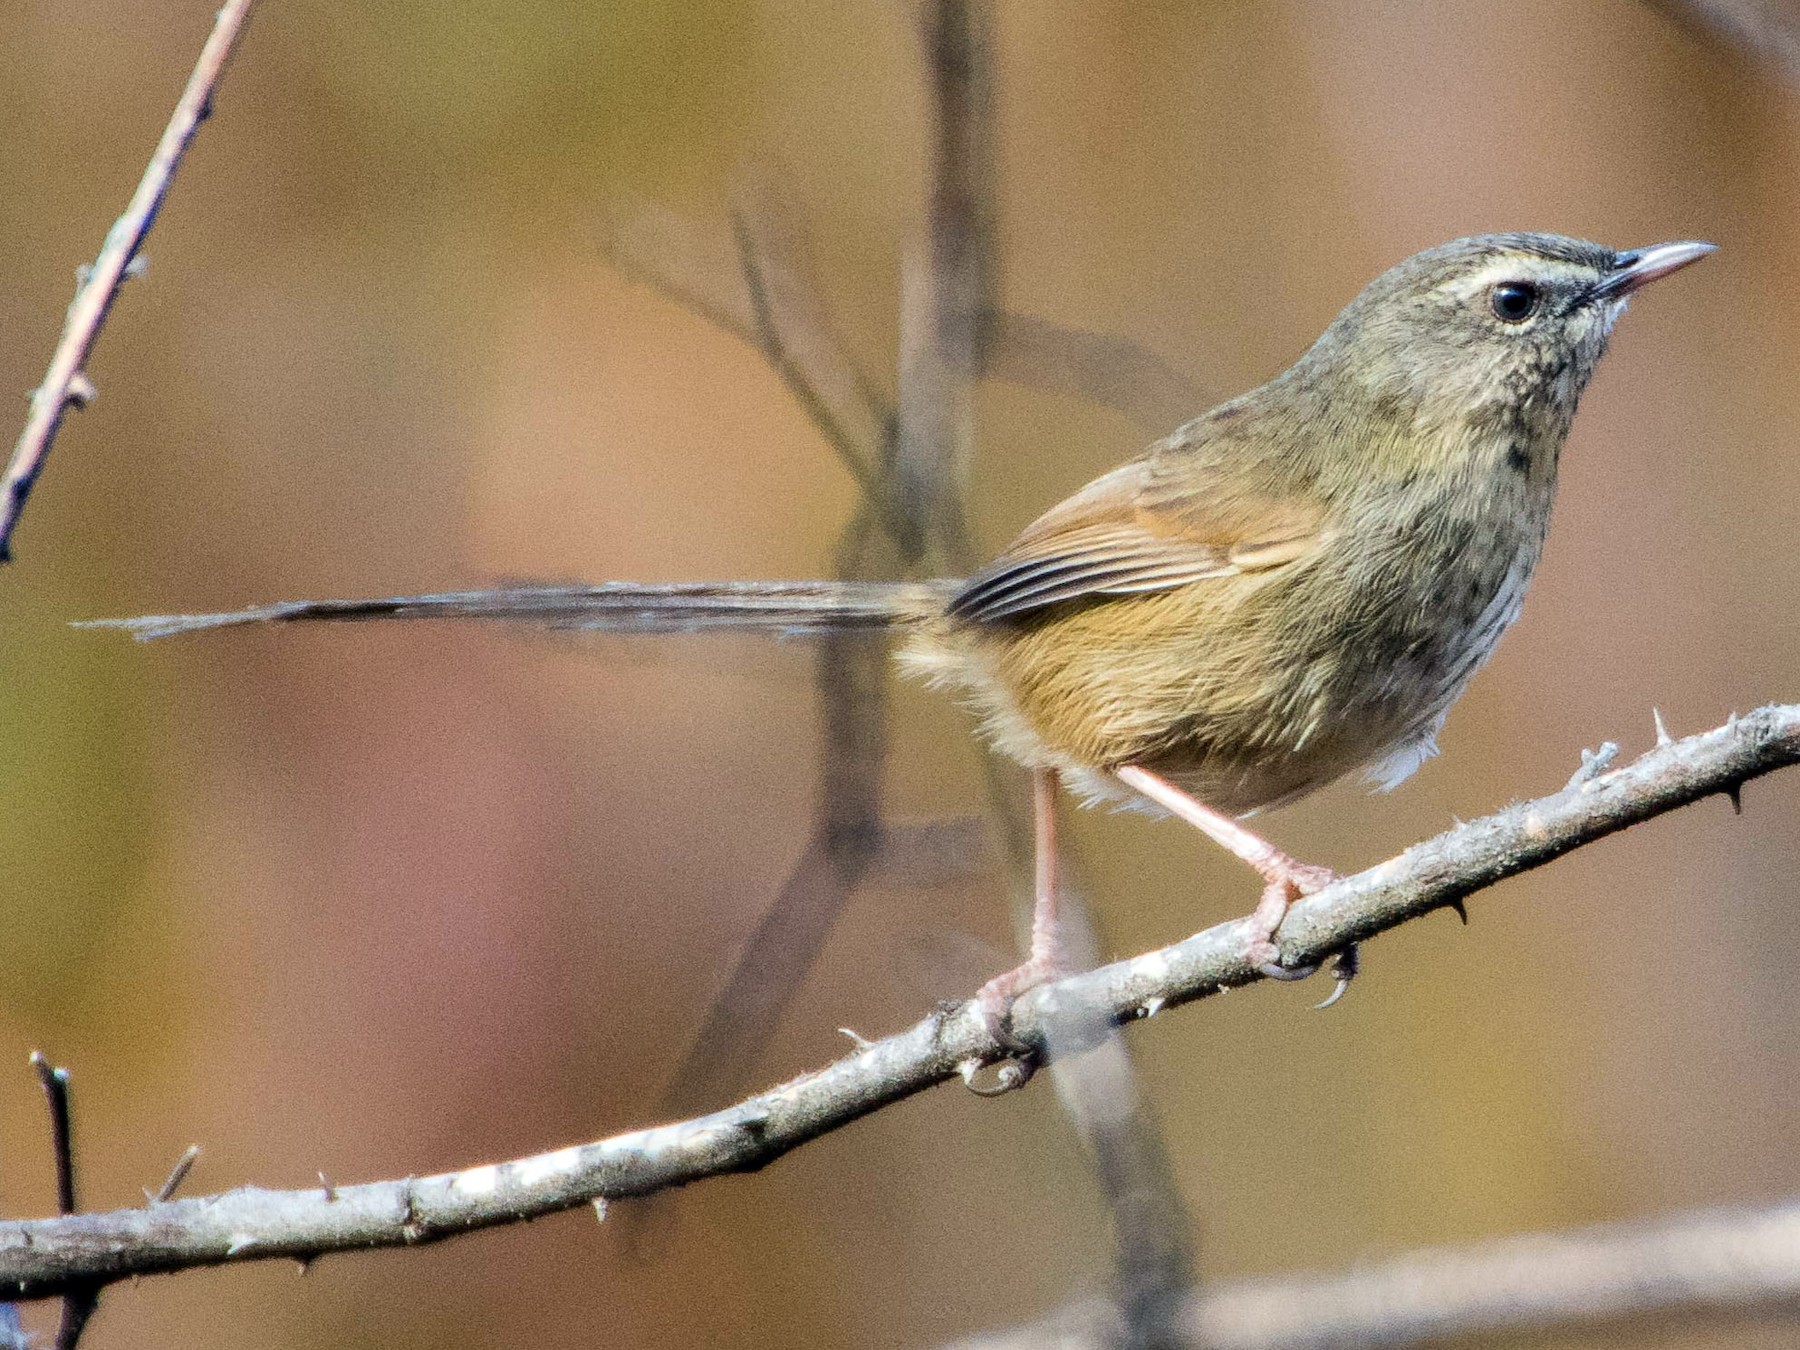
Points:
(1148, 526)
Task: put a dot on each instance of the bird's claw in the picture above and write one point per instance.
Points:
(1274, 970)
(1343, 969)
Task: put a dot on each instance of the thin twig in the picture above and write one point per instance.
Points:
(55, 1082)
(45, 1258)
(66, 384)
(851, 675)
(80, 1300)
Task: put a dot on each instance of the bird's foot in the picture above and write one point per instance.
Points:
(994, 1001)
(1285, 882)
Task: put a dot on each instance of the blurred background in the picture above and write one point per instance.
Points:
(385, 900)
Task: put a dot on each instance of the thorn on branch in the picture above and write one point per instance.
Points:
(1736, 793)
(177, 1175)
(328, 1188)
(1663, 739)
(1461, 910)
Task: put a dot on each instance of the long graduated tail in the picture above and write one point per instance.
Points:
(613, 606)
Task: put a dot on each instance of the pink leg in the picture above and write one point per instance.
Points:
(1285, 880)
(1046, 961)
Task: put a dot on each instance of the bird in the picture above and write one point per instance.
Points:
(1294, 586)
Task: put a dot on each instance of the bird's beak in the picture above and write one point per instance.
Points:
(1641, 266)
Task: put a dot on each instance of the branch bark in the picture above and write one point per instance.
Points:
(50, 1257)
(66, 384)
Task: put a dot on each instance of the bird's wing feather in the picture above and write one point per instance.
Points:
(1140, 528)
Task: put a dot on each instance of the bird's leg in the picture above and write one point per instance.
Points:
(1284, 880)
(1047, 959)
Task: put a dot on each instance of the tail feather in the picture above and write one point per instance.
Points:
(796, 607)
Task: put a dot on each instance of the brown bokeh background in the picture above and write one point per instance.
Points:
(377, 901)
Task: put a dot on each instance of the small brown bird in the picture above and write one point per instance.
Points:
(1294, 585)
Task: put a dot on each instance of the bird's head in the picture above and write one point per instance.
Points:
(1497, 329)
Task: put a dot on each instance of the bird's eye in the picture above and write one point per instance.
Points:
(1514, 301)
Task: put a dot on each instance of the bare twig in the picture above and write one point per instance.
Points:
(66, 384)
(1737, 1260)
(851, 674)
(55, 1082)
(46, 1258)
(80, 1300)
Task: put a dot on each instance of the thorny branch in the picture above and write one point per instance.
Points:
(46, 1258)
(66, 384)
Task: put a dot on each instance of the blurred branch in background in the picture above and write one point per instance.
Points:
(911, 463)
(1102, 368)
(48, 1258)
(66, 384)
(1767, 29)
(1741, 1261)
(788, 325)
